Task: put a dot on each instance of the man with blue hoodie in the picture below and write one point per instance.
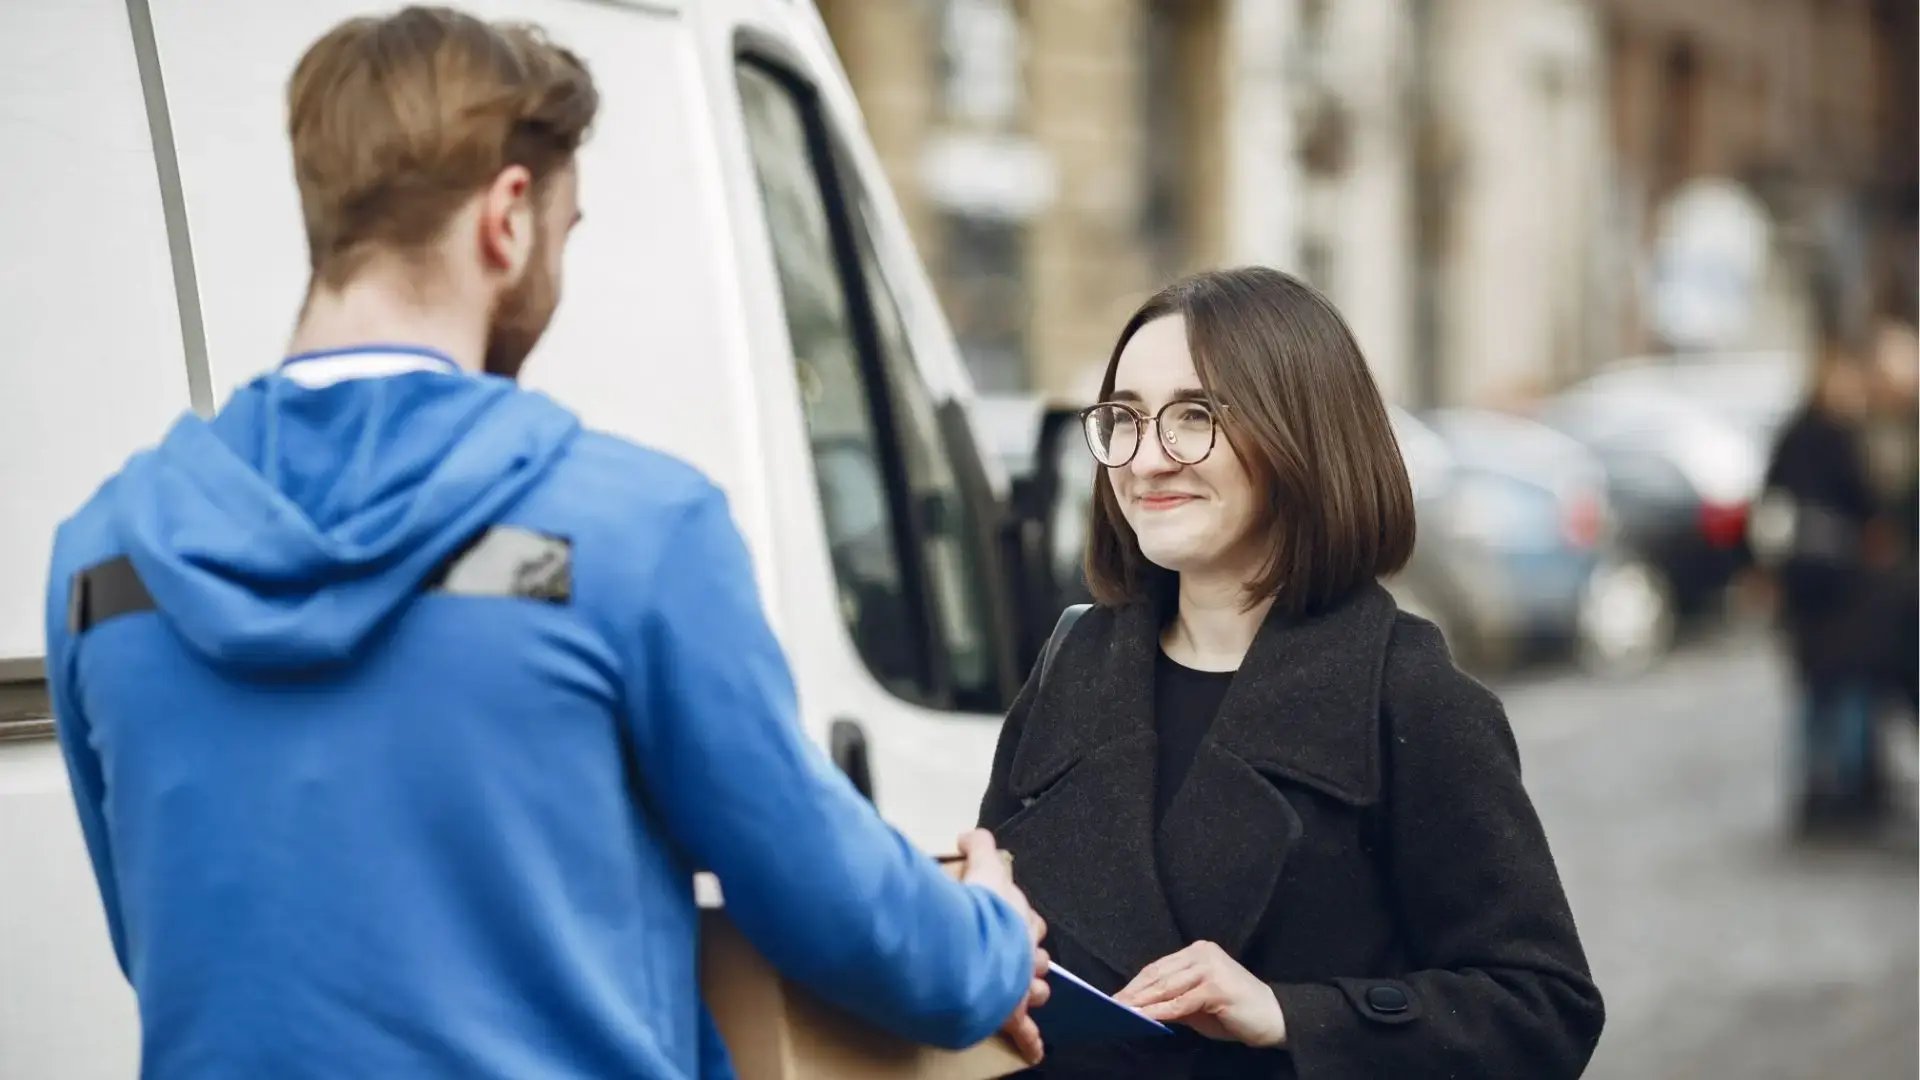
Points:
(400, 710)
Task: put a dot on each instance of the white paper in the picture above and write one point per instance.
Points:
(1085, 985)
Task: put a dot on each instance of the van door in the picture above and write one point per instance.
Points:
(96, 365)
(905, 640)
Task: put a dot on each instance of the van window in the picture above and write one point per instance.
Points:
(864, 531)
(945, 518)
(906, 537)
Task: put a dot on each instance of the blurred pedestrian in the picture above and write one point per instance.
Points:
(1247, 792)
(1893, 457)
(400, 710)
(1820, 529)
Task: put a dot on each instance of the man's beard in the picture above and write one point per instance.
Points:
(521, 316)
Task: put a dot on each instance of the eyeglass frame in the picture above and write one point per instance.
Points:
(1140, 422)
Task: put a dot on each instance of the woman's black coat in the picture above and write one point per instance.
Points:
(1353, 831)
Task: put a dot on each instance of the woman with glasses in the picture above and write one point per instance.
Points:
(1250, 796)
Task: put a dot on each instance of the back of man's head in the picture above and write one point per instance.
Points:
(397, 122)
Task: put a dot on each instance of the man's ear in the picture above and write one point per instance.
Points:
(507, 222)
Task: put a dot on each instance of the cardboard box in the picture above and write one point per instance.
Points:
(775, 1030)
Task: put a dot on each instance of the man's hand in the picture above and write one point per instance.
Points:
(986, 868)
(1207, 990)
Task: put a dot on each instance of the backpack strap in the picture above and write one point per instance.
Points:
(503, 561)
(108, 590)
(1060, 631)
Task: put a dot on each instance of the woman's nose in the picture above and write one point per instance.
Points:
(1151, 459)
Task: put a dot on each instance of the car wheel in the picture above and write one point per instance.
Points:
(1469, 649)
(1626, 618)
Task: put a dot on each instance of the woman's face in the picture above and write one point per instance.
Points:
(1196, 520)
(1844, 389)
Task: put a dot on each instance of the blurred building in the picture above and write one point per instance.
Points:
(1510, 179)
(1605, 178)
(1351, 88)
(1809, 105)
(1500, 194)
(1057, 160)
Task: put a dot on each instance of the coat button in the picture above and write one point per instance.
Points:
(1387, 999)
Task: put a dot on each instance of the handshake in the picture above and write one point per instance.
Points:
(985, 866)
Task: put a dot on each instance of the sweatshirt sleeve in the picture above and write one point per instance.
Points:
(829, 893)
(84, 771)
(1501, 986)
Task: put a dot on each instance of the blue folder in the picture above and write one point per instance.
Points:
(1077, 1014)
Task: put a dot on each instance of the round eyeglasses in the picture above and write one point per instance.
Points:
(1115, 431)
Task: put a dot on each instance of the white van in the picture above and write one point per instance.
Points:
(742, 294)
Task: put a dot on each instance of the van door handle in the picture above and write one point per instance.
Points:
(847, 742)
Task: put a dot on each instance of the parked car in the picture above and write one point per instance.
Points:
(1751, 392)
(1533, 546)
(1682, 473)
(1049, 494)
(1432, 585)
(1007, 426)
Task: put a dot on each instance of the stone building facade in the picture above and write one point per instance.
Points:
(1484, 187)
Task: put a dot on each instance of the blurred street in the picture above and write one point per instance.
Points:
(1723, 950)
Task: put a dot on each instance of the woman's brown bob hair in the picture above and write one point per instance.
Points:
(1306, 420)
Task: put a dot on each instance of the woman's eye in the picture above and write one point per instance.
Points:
(1192, 417)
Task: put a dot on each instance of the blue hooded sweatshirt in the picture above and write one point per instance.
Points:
(350, 821)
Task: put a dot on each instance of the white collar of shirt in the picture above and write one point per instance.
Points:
(315, 370)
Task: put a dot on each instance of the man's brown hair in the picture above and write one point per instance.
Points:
(397, 121)
(1306, 420)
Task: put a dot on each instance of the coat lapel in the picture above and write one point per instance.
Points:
(1083, 844)
(1304, 710)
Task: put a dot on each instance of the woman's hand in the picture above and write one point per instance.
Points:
(1207, 990)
